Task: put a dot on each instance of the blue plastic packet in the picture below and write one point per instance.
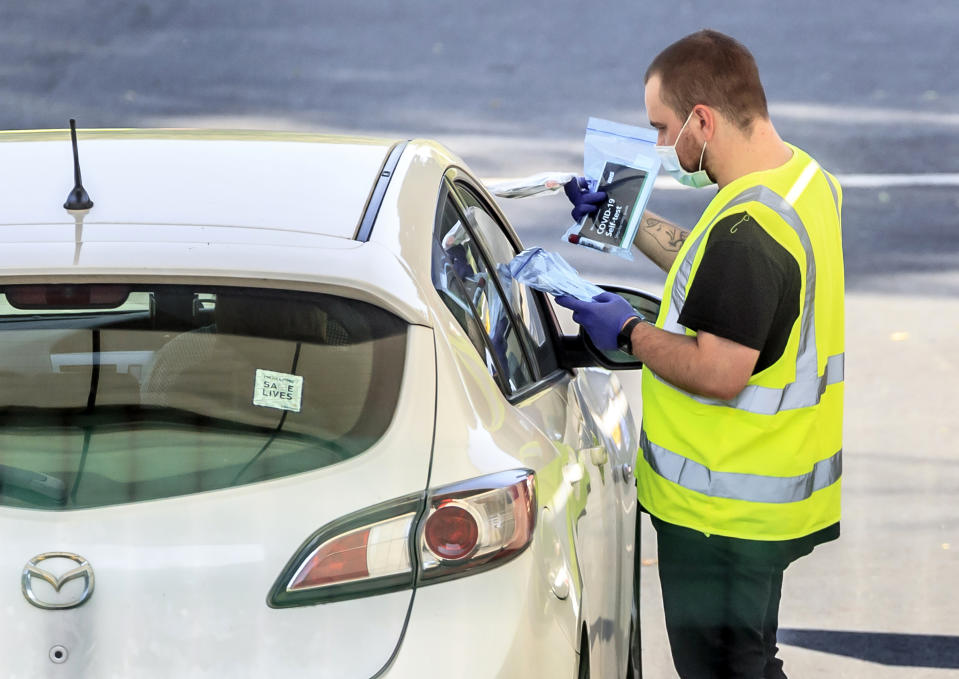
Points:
(622, 161)
(548, 272)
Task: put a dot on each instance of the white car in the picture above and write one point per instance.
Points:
(269, 409)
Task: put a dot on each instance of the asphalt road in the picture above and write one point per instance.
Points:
(870, 89)
(864, 86)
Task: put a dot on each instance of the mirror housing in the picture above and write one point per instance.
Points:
(578, 351)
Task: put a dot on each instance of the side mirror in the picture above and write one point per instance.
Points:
(579, 350)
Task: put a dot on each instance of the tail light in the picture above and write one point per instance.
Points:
(369, 552)
(452, 532)
(362, 554)
(67, 296)
(500, 509)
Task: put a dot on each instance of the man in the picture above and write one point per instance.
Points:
(740, 458)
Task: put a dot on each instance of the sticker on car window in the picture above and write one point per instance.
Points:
(277, 390)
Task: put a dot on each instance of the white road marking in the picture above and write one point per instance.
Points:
(878, 181)
(847, 181)
(861, 181)
(860, 115)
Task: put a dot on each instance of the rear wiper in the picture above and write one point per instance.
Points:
(38, 482)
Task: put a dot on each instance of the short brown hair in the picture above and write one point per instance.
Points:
(708, 67)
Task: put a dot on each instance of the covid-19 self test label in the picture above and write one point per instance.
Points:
(613, 220)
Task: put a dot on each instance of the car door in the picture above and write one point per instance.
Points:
(587, 417)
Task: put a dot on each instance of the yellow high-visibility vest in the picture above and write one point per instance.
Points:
(767, 464)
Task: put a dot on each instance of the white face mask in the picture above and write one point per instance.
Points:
(671, 163)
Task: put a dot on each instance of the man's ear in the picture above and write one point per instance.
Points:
(704, 119)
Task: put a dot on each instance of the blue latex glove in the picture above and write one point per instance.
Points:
(585, 202)
(457, 255)
(602, 318)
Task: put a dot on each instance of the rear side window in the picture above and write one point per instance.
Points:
(466, 283)
(112, 394)
(521, 298)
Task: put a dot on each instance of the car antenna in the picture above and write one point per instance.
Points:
(78, 198)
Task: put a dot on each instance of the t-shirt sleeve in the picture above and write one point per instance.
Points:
(739, 284)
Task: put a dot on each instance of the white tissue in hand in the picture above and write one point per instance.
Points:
(541, 184)
(549, 272)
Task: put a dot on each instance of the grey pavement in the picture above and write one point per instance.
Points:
(866, 87)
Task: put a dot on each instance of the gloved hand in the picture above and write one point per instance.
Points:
(584, 201)
(457, 255)
(602, 318)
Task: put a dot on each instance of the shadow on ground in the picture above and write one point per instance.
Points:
(903, 650)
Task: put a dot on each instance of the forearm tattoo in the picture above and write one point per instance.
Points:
(669, 236)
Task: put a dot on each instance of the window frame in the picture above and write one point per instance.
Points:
(455, 180)
(539, 301)
(448, 195)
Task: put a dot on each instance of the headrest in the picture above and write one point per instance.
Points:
(298, 320)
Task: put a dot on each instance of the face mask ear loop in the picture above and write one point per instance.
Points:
(701, 156)
(676, 141)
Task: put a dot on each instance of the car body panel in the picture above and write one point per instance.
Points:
(556, 432)
(588, 503)
(500, 624)
(405, 221)
(608, 423)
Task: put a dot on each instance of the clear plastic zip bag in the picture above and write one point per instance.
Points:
(620, 160)
(548, 272)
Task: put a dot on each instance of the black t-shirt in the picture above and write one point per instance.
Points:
(746, 289)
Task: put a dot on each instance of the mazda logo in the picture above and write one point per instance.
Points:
(33, 574)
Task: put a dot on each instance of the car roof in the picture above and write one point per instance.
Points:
(285, 182)
(223, 207)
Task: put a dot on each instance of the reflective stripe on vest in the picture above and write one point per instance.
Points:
(835, 194)
(809, 385)
(749, 487)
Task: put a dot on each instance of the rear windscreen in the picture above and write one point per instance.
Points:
(113, 394)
